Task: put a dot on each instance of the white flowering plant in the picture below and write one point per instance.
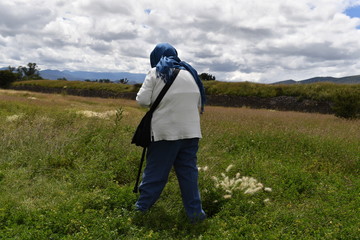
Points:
(223, 188)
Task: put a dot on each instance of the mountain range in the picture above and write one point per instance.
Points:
(139, 78)
(343, 80)
(85, 75)
(134, 78)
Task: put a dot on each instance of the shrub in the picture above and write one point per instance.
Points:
(347, 104)
(6, 78)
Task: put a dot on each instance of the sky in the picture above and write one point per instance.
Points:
(235, 40)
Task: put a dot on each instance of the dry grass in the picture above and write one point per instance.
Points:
(245, 119)
(237, 119)
(61, 100)
(74, 104)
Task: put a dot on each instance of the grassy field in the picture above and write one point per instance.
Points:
(114, 87)
(316, 91)
(343, 98)
(67, 170)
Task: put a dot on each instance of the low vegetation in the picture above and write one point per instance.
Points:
(345, 98)
(6, 78)
(67, 170)
(315, 91)
(61, 84)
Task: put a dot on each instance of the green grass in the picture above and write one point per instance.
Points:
(67, 176)
(344, 98)
(79, 85)
(315, 91)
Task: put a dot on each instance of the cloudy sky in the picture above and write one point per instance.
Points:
(235, 40)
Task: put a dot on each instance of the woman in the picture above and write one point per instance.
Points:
(175, 130)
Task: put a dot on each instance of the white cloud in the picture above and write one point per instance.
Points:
(235, 40)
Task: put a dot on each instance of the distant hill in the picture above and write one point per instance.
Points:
(343, 80)
(139, 77)
(83, 75)
(286, 82)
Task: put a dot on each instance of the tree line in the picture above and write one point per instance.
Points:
(32, 72)
(206, 77)
(21, 73)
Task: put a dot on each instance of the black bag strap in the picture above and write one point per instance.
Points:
(152, 109)
(164, 90)
(135, 190)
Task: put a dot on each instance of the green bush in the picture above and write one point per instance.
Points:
(347, 104)
(6, 78)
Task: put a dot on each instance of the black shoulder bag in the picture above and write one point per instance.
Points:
(142, 135)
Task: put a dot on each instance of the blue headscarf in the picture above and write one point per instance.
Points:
(165, 58)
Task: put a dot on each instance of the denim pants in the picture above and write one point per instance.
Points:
(161, 157)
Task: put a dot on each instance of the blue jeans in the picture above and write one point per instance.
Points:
(161, 156)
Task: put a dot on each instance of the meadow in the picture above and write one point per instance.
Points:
(67, 171)
(343, 99)
(316, 91)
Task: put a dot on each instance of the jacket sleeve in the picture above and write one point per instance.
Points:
(144, 95)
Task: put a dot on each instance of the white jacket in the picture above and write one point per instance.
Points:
(177, 116)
